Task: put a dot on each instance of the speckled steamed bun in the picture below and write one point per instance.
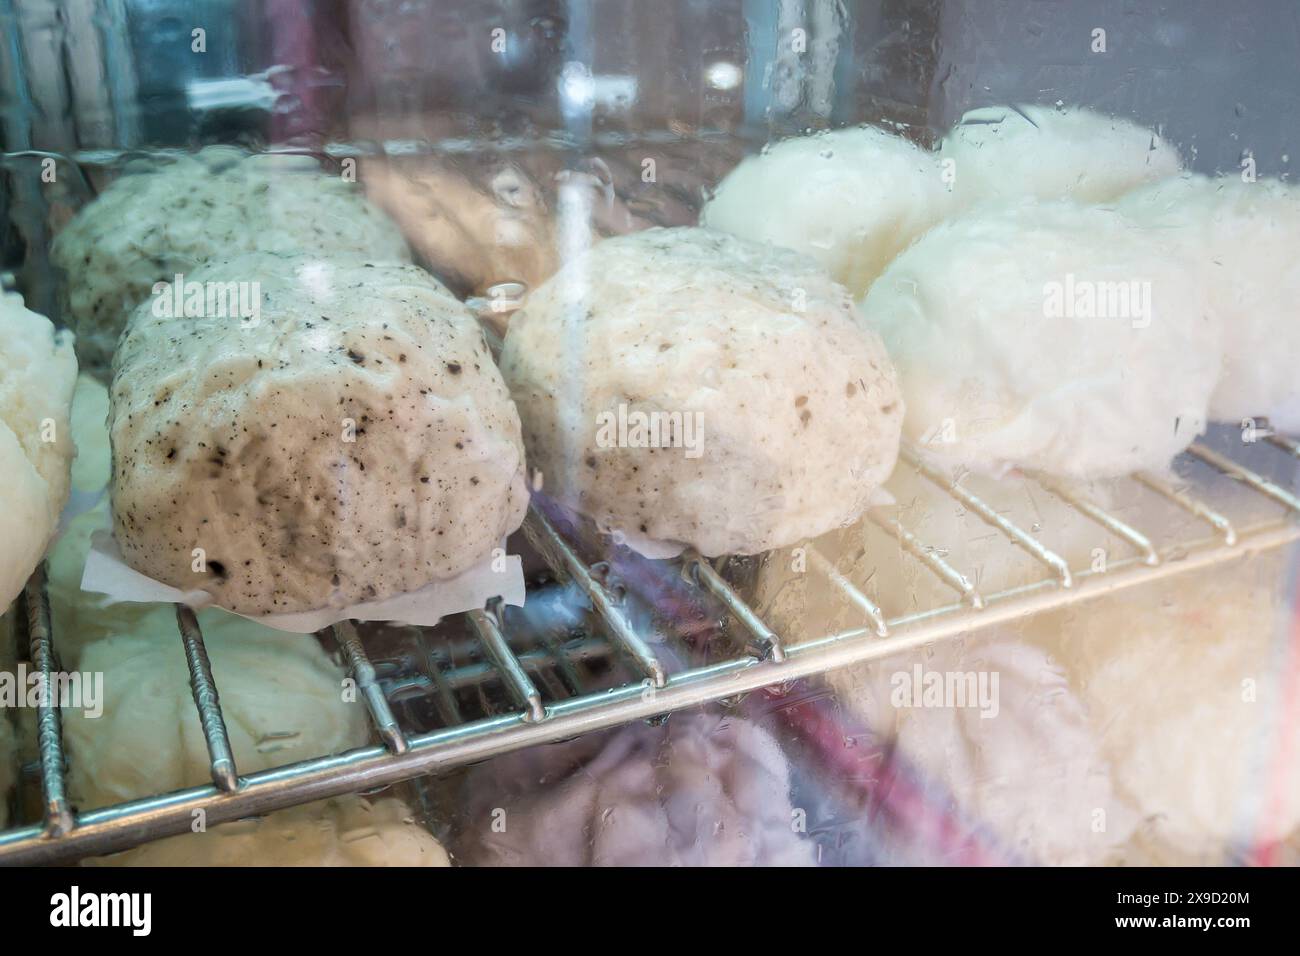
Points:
(1244, 238)
(355, 443)
(1006, 153)
(852, 199)
(156, 222)
(1004, 364)
(344, 831)
(796, 405)
(37, 375)
(282, 697)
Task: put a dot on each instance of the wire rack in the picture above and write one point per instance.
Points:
(547, 693)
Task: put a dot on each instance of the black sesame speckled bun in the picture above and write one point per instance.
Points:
(351, 442)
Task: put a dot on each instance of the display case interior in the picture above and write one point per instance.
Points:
(349, 310)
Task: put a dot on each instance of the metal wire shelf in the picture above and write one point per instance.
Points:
(564, 705)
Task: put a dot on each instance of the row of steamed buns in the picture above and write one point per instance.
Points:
(358, 440)
(677, 287)
(285, 699)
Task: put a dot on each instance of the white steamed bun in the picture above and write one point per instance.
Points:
(1185, 683)
(1031, 772)
(852, 199)
(1005, 153)
(1003, 364)
(282, 697)
(38, 373)
(1243, 239)
(1017, 754)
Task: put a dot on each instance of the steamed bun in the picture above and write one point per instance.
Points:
(1007, 153)
(38, 372)
(788, 409)
(1032, 771)
(354, 442)
(1185, 681)
(1017, 754)
(282, 697)
(852, 199)
(345, 831)
(152, 224)
(703, 788)
(25, 524)
(1049, 336)
(1243, 238)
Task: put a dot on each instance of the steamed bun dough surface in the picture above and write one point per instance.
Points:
(282, 697)
(1006, 153)
(344, 831)
(38, 373)
(799, 409)
(83, 617)
(1244, 239)
(852, 199)
(1002, 367)
(236, 440)
(157, 221)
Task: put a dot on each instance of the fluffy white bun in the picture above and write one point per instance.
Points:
(1243, 239)
(1049, 336)
(1005, 153)
(38, 373)
(282, 697)
(852, 199)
